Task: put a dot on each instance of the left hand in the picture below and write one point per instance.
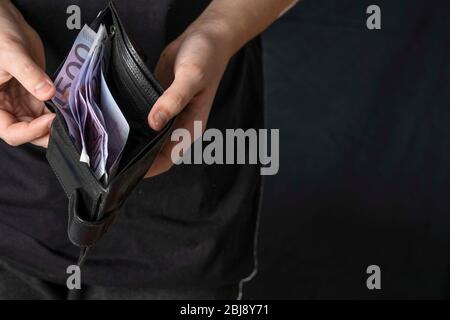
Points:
(191, 67)
(23, 83)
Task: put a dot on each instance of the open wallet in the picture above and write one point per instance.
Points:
(101, 145)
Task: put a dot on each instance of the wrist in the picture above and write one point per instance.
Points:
(226, 33)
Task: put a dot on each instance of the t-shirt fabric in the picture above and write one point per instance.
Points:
(192, 226)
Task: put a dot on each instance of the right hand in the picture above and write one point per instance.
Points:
(23, 83)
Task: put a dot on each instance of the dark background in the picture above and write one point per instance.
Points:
(364, 149)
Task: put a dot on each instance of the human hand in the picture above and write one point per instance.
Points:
(191, 67)
(23, 83)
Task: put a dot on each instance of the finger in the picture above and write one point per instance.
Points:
(165, 159)
(16, 133)
(41, 142)
(19, 64)
(187, 83)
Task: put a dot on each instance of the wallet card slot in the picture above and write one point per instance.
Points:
(127, 84)
(127, 100)
(133, 87)
(150, 86)
(142, 91)
(120, 73)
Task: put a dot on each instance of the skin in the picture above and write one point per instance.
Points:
(190, 68)
(23, 84)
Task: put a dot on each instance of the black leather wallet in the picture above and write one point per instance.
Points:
(93, 205)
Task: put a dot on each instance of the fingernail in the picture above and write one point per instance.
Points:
(160, 119)
(43, 87)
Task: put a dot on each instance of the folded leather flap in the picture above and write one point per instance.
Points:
(82, 232)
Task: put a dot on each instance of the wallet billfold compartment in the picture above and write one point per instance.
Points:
(93, 203)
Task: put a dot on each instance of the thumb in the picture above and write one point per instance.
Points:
(22, 67)
(186, 85)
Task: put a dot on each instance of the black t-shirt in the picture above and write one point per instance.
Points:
(191, 226)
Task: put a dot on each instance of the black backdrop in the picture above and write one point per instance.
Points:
(365, 151)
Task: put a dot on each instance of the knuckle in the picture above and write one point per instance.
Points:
(177, 101)
(13, 142)
(193, 70)
(9, 47)
(163, 105)
(26, 67)
(172, 104)
(10, 42)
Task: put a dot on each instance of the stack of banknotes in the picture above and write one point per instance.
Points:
(94, 120)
